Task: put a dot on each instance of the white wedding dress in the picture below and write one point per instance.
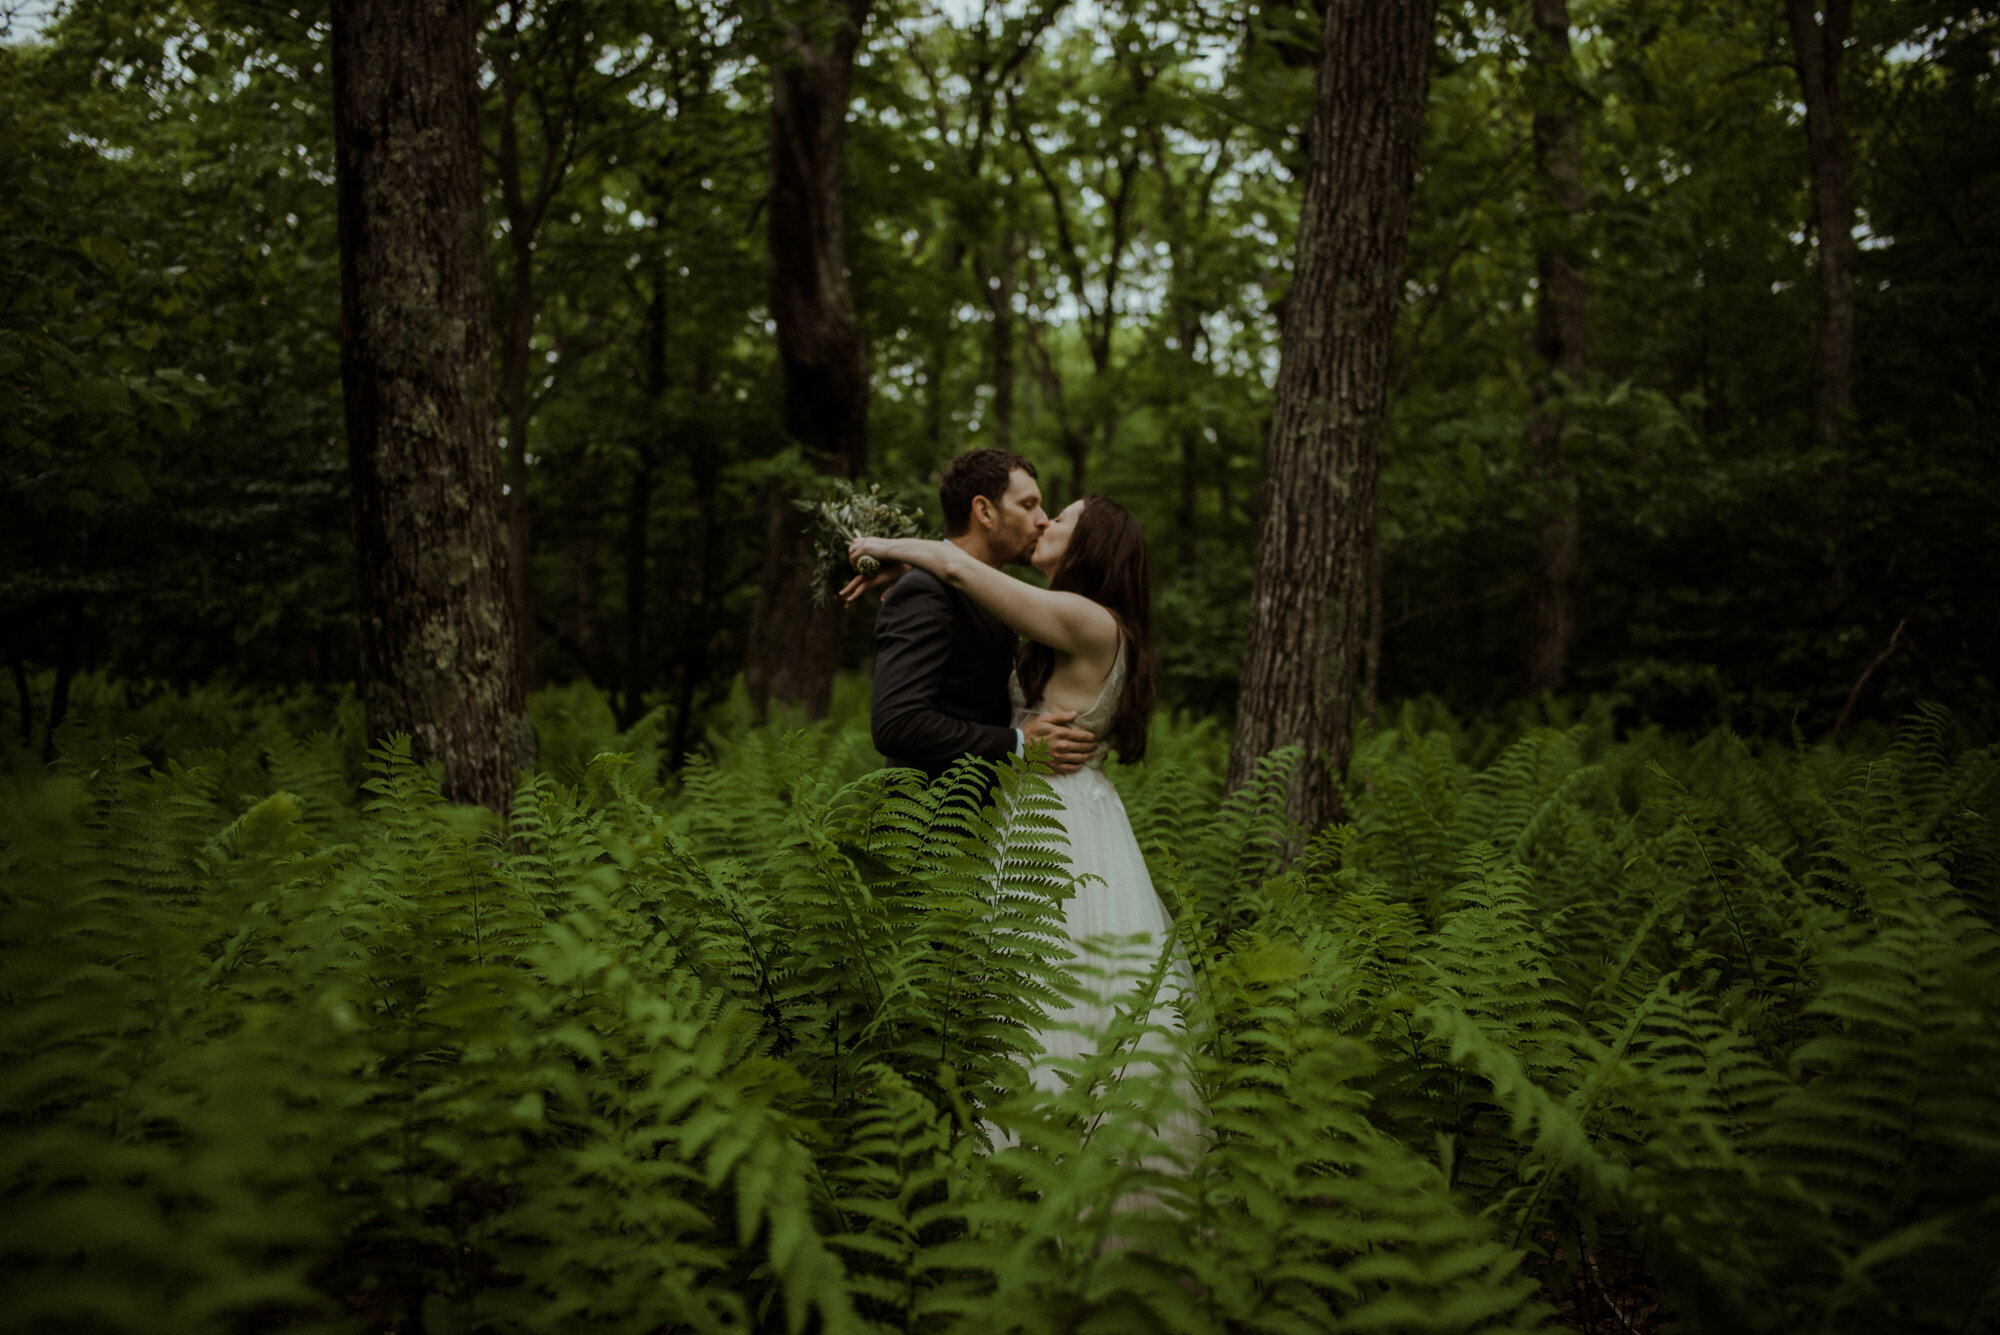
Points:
(1115, 922)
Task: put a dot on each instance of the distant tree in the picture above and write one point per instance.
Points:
(438, 646)
(1097, 115)
(1819, 36)
(174, 497)
(1559, 341)
(1309, 596)
(563, 72)
(794, 647)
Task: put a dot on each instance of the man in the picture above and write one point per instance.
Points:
(941, 661)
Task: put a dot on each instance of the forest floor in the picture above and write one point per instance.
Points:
(1609, 1293)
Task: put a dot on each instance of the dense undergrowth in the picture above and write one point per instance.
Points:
(289, 1044)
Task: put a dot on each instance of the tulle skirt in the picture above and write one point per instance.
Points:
(1118, 931)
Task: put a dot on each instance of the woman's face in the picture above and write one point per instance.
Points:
(1048, 557)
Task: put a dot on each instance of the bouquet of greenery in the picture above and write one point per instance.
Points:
(845, 513)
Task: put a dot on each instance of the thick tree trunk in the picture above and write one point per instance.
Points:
(1559, 341)
(439, 658)
(794, 647)
(1817, 42)
(1309, 595)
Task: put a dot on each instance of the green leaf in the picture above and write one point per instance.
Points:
(103, 395)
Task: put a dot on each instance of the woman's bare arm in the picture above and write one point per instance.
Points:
(1067, 622)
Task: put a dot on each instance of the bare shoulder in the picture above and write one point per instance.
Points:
(1092, 623)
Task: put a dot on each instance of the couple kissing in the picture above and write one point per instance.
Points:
(951, 682)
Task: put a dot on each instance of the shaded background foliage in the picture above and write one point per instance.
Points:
(1069, 231)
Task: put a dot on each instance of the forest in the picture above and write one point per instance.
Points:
(446, 880)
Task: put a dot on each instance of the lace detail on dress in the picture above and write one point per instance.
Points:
(1097, 718)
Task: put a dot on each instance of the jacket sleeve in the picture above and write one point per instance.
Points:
(913, 634)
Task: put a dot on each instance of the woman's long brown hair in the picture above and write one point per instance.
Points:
(1106, 563)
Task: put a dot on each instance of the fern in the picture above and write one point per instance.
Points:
(289, 1040)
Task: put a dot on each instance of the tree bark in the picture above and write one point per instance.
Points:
(67, 644)
(705, 460)
(439, 657)
(1817, 43)
(794, 647)
(1187, 547)
(1560, 342)
(582, 610)
(999, 288)
(639, 512)
(24, 695)
(937, 371)
(638, 586)
(1309, 594)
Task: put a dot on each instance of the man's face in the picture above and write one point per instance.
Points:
(1019, 523)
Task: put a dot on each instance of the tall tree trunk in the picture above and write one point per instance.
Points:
(706, 463)
(938, 365)
(1187, 548)
(935, 372)
(999, 288)
(1077, 446)
(1817, 42)
(582, 610)
(1309, 594)
(514, 353)
(819, 340)
(639, 511)
(22, 692)
(1560, 343)
(517, 342)
(638, 585)
(439, 658)
(1225, 495)
(67, 644)
(525, 208)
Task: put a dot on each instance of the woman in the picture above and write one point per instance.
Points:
(1089, 648)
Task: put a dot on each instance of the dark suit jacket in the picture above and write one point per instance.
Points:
(941, 665)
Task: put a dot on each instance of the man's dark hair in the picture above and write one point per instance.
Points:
(976, 473)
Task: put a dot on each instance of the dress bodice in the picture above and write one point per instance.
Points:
(1097, 718)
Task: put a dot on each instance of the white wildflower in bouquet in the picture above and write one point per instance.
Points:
(844, 514)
